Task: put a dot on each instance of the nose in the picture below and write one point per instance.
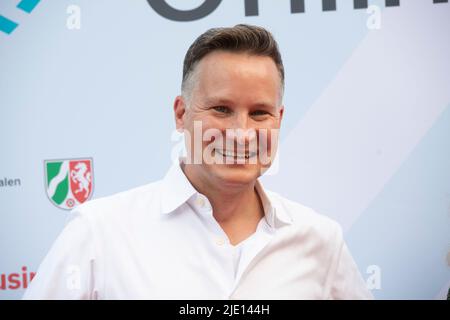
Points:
(241, 121)
(240, 130)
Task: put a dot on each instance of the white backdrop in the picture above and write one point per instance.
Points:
(365, 138)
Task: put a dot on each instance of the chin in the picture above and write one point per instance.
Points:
(236, 174)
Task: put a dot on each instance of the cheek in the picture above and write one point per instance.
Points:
(212, 127)
(214, 123)
(263, 137)
(203, 129)
(268, 139)
(207, 121)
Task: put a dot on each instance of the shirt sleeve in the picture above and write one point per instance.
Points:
(347, 283)
(67, 271)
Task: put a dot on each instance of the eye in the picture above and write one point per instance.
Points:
(259, 113)
(222, 109)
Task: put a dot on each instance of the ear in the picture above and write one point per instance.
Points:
(280, 114)
(179, 108)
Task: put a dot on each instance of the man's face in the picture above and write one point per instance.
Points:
(232, 91)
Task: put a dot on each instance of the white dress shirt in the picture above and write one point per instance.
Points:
(161, 241)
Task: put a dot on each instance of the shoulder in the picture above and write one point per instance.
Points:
(122, 204)
(306, 218)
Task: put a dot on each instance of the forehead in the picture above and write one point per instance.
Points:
(231, 74)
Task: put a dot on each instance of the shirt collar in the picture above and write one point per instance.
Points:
(275, 215)
(177, 190)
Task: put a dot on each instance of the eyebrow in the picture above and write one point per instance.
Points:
(217, 100)
(225, 101)
(264, 105)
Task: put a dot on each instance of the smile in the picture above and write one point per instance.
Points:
(232, 154)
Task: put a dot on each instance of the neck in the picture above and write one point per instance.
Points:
(238, 209)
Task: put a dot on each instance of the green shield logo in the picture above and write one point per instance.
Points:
(69, 182)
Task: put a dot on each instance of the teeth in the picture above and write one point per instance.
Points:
(228, 153)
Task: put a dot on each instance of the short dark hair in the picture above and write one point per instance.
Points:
(240, 38)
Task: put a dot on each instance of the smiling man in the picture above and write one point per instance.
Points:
(208, 230)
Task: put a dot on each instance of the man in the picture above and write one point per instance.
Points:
(208, 230)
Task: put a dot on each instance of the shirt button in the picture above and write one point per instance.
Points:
(220, 241)
(200, 202)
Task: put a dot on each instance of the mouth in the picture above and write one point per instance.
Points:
(234, 155)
